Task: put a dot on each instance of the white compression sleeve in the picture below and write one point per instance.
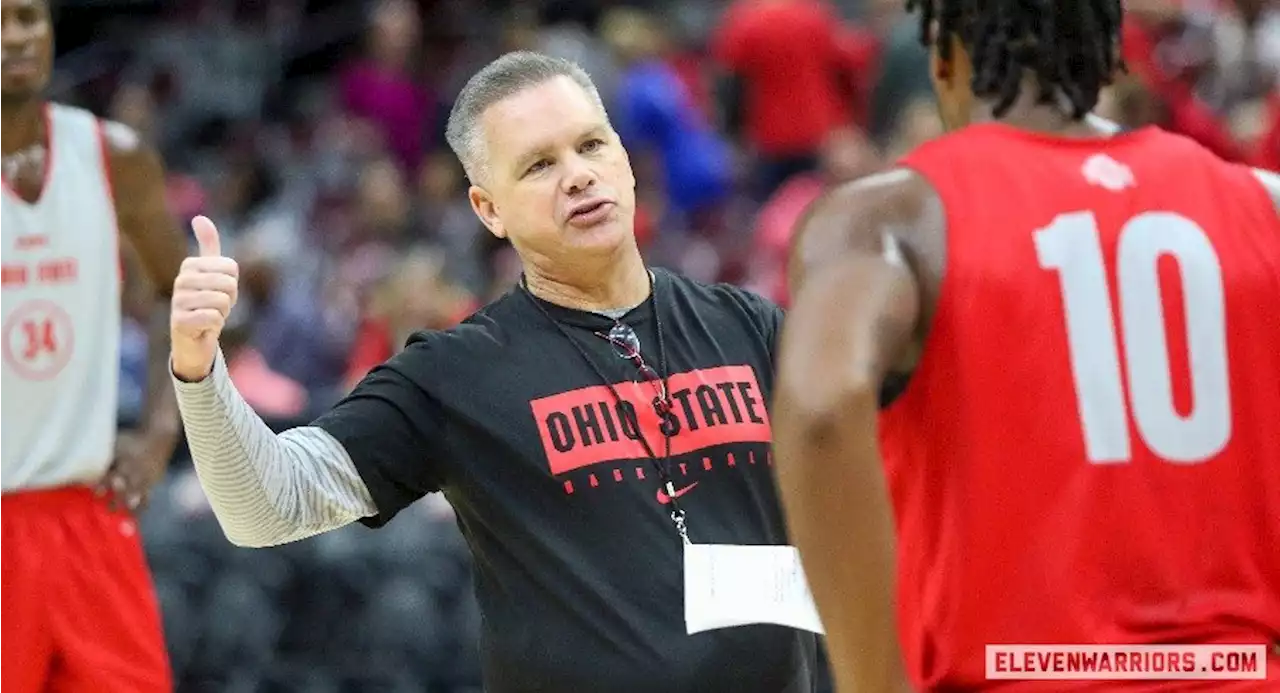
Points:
(266, 489)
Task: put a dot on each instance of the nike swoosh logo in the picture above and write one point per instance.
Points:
(664, 499)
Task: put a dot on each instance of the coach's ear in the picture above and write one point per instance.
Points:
(487, 210)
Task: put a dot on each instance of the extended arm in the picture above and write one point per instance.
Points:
(366, 457)
(855, 317)
(266, 489)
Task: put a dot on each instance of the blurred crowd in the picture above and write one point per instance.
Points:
(311, 131)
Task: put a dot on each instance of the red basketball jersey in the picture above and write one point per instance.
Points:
(1089, 449)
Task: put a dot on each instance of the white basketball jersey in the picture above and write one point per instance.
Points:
(61, 324)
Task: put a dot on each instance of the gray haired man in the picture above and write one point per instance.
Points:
(601, 430)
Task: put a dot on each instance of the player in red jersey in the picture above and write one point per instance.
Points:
(1082, 335)
(79, 611)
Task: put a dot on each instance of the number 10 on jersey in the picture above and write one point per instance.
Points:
(1071, 246)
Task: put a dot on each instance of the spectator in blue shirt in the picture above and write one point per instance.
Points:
(656, 118)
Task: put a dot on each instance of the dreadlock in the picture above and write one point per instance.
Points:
(1072, 46)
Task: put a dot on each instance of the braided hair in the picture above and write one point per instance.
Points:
(1072, 46)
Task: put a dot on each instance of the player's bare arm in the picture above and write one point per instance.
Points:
(857, 317)
(148, 228)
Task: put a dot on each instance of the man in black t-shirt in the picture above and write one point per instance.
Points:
(588, 427)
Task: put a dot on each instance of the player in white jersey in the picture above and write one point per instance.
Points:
(79, 610)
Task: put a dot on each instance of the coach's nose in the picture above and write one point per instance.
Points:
(579, 176)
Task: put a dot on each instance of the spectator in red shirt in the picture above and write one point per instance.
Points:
(788, 58)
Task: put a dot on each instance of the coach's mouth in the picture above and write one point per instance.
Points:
(590, 212)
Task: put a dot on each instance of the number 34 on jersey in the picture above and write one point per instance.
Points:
(1071, 246)
(38, 340)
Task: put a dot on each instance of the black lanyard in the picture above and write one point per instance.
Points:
(659, 464)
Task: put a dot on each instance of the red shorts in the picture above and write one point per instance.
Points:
(79, 610)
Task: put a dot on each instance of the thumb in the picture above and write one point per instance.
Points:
(206, 237)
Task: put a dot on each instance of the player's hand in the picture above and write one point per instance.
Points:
(203, 295)
(140, 463)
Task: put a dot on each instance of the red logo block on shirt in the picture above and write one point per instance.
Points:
(711, 406)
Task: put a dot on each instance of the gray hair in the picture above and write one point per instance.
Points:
(505, 77)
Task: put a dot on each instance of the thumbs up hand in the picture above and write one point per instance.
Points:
(203, 295)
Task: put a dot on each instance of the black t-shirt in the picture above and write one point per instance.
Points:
(579, 568)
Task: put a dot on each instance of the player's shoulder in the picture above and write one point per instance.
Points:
(900, 203)
(1179, 156)
(121, 139)
(117, 137)
(891, 199)
(886, 188)
(1186, 156)
(124, 145)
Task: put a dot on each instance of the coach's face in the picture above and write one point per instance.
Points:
(557, 181)
(27, 34)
